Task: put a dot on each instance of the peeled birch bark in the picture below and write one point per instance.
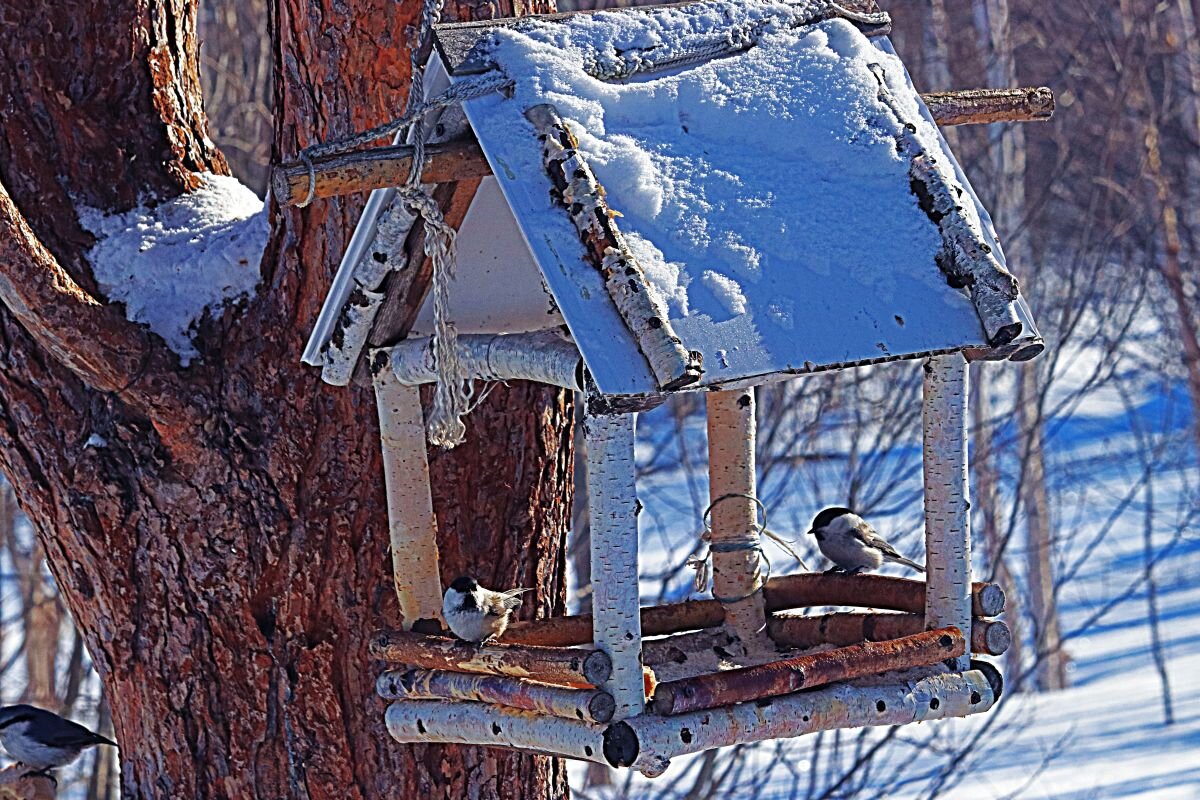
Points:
(616, 618)
(648, 742)
(577, 189)
(546, 664)
(988, 636)
(412, 527)
(783, 592)
(374, 253)
(735, 542)
(947, 503)
(448, 722)
(807, 671)
(591, 705)
(982, 106)
(966, 258)
(544, 357)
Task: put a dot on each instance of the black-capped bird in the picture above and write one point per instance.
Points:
(852, 544)
(42, 740)
(476, 614)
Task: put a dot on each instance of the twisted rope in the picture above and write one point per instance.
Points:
(702, 563)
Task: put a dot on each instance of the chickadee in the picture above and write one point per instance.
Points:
(476, 614)
(852, 544)
(42, 739)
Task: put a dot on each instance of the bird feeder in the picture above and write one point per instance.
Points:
(696, 198)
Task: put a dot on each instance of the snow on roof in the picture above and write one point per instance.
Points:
(173, 263)
(762, 193)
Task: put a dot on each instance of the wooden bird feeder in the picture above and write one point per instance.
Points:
(819, 222)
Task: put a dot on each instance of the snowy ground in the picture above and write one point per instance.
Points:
(1104, 737)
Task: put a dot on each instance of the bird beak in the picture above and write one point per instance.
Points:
(811, 531)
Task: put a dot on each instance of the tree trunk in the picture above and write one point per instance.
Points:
(224, 551)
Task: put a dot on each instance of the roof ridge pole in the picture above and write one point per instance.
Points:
(735, 542)
(612, 508)
(947, 498)
(412, 527)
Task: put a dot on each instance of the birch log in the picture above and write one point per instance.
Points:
(546, 664)
(576, 188)
(808, 671)
(592, 705)
(736, 559)
(347, 173)
(648, 742)
(988, 636)
(412, 528)
(445, 722)
(783, 592)
(980, 106)
(375, 250)
(543, 356)
(612, 511)
(947, 504)
(966, 258)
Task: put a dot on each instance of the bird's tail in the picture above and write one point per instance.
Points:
(512, 598)
(905, 562)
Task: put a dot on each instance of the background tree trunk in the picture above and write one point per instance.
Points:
(225, 552)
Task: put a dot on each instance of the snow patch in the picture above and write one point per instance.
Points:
(172, 264)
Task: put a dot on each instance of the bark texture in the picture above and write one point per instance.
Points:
(225, 552)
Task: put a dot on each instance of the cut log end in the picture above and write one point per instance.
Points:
(597, 667)
(621, 746)
(988, 600)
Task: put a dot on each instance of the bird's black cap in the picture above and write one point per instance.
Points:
(464, 584)
(827, 516)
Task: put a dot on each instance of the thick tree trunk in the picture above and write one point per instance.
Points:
(225, 550)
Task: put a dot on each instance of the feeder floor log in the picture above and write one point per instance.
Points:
(592, 705)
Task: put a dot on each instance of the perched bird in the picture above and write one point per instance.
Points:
(42, 739)
(852, 544)
(476, 614)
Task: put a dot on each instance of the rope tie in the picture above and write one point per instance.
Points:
(702, 564)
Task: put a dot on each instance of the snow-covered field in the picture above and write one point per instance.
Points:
(1104, 737)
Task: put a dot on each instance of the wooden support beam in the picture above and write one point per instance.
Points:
(612, 509)
(462, 159)
(648, 742)
(948, 596)
(988, 636)
(736, 560)
(560, 665)
(807, 671)
(982, 106)
(783, 592)
(591, 705)
(377, 168)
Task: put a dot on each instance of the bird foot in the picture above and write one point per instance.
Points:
(44, 772)
(833, 571)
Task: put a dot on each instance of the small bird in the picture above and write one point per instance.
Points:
(852, 544)
(42, 739)
(476, 614)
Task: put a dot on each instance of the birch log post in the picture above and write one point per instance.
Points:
(947, 504)
(412, 528)
(561, 665)
(648, 742)
(543, 356)
(988, 636)
(807, 671)
(612, 511)
(735, 538)
(591, 705)
(582, 197)
(782, 592)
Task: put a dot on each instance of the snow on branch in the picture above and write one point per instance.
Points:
(185, 258)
